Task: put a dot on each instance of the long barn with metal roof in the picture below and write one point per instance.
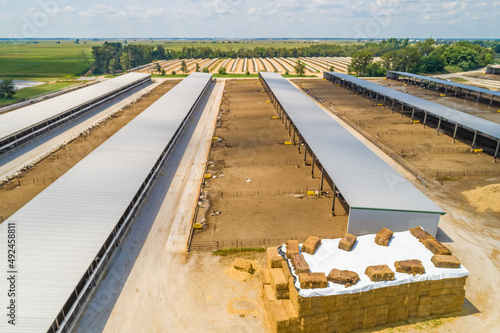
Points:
(25, 124)
(377, 196)
(67, 234)
(477, 131)
(447, 85)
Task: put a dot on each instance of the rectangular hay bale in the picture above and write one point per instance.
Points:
(264, 277)
(421, 234)
(379, 273)
(383, 237)
(278, 279)
(311, 244)
(273, 258)
(299, 264)
(413, 266)
(292, 247)
(345, 277)
(313, 280)
(445, 261)
(436, 247)
(347, 242)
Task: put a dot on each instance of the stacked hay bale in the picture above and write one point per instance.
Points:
(290, 312)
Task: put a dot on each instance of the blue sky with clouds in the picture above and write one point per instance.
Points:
(249, 19)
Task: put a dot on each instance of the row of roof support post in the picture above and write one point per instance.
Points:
(282, 114)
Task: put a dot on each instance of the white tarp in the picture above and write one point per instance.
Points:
(403, 246)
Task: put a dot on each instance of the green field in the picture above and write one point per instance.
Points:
(42, 62)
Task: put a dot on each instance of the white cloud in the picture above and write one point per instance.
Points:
(97, 10)
(69, 9)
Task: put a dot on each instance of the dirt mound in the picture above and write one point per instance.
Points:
(484, 198)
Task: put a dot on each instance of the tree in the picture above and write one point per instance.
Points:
(173, 73)
(332, 68)
(158, 67)
(85, 58)
(197, 69)
(205, 70)
(7, 89)
(300, 68)
(184, 68)
(360, 62)
(163, 72)
(112, 66)
(77, 41)
(222, 71)
(125, 62)
(247, 73)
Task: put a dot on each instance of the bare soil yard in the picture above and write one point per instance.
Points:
(261, 185)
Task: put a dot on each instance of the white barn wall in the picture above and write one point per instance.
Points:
(369, 221)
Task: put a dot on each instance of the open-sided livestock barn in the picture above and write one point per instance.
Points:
(375, 194)
(70, 231)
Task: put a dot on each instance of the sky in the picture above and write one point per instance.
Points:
(249, 19)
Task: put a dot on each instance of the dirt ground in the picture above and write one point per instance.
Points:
(20, 191)
(436, 156)
(261, 184)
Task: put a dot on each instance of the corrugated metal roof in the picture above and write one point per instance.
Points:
(28, 116)
(363, 178)
(454, 116)
(450, 83)
(61, 230)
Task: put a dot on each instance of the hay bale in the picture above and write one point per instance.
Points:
(413, 266)
(445, 261)
(383, 237)
(299, 264)
(292, 247)
(286, 269)
(436, 247)
(347, 242)
(273, 258)
(313, 280)
(243, 265)
(278, 317)
(278, 279)
(345, 277)
(379, 273)
(311, 244)
(421, 234)
(264, 277)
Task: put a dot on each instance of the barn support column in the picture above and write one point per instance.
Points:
(323, 176)
(496, 151)
(439, 125)
(491, 100)
(305, 151)
(402, 108)
(455, 132)
(299, 144)
(312, 165)
(425, 118)
(412, 114)
(479, 96)
(474, 140)
(334, 196)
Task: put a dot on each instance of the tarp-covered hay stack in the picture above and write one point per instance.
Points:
(418, 286)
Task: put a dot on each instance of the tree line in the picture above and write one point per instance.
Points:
(396, 54)
(422, 57)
